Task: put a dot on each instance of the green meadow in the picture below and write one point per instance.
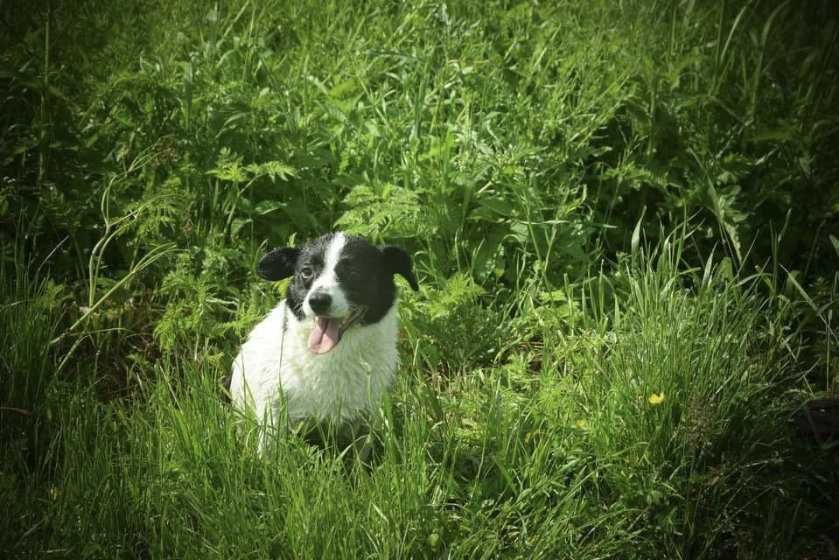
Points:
(624, 219)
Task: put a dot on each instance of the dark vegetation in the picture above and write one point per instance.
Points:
(625, 222)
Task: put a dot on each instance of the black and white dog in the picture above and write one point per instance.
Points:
(328, 351)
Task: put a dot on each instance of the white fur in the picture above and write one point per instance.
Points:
(328, 280)
(274, 373)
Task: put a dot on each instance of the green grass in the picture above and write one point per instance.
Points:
(554, 451)
(622, 216)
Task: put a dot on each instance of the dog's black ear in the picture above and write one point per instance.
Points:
(278, 264)
(398, 261)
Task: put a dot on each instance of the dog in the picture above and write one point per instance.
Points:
(327, 353)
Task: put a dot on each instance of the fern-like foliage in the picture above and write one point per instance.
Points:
(385, 212)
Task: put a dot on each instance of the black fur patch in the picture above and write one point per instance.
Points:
(278, 264)
(365, 273)
(399, 262)
(312, 255)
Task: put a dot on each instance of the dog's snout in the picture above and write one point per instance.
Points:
(320, 302)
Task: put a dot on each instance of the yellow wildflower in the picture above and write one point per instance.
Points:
(581, 424)
(656, 399)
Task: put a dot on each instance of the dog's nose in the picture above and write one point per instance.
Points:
(320, 302)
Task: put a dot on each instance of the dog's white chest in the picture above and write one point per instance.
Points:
(275, 373)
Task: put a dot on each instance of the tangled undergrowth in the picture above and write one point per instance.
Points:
(623, 216)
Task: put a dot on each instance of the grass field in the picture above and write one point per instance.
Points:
(623, 217)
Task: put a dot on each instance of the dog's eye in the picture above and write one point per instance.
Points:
(306, 273)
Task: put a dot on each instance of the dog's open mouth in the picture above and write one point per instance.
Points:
(327, 331)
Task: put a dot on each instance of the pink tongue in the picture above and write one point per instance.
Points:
(324, 336)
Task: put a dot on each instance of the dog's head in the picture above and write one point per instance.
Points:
(338, 281)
